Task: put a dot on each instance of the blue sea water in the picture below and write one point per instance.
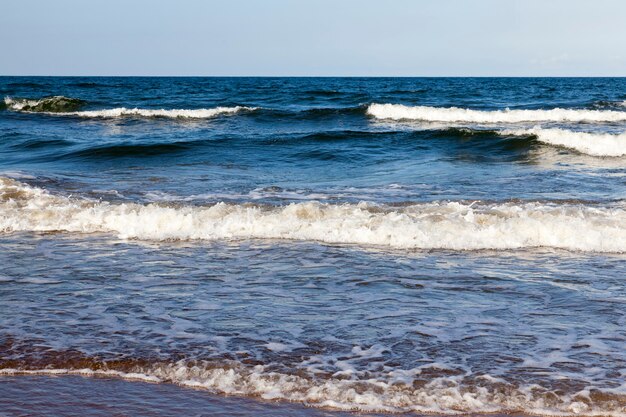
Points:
(414, 245)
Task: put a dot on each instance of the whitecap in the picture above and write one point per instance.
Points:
(457, 114)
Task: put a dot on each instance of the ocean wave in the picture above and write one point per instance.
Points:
(596, 144)
(426, 389)
(436, 225)
(173, 113)
(461, 115)
(59, 105)
(54, 104)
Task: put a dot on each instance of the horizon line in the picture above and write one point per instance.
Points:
(314, 76)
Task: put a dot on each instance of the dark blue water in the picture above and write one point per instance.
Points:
(308, 135)
(379, 244)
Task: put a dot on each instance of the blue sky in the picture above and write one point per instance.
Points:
(321, 37)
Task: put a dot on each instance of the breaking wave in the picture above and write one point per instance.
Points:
(457, 120)
(456, 114)
(436, 225)
(54, 104)
(596, 144)
(68, 106)
(174, 113)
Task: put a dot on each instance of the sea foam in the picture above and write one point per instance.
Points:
(435, 225)
(597, 144)
(456, 114)
(173, 113)
(393, 392)
(59, 105)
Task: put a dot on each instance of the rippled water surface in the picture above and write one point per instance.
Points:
(312, 246)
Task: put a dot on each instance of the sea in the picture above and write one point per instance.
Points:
(312, 246)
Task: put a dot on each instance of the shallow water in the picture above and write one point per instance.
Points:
(76, 396)
(289, 242)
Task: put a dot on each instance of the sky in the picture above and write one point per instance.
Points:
(314, 37)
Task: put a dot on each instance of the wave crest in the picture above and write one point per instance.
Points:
(54, 104)
(67, 106)
(596, 144)
(173, 113)
(456, 114)
(436, 225)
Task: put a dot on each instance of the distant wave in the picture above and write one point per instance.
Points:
(70, 107)
(54, 104)
(456, 114)
(174, 113)
(597, 144)
(59, 105)
(460, 121)
(437, 225)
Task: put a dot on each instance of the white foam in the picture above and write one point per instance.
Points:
(25, 104)
(19, 104)
(174, 113)
(441, 395)
(461, 115)
(597, 144)
(445, 225)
